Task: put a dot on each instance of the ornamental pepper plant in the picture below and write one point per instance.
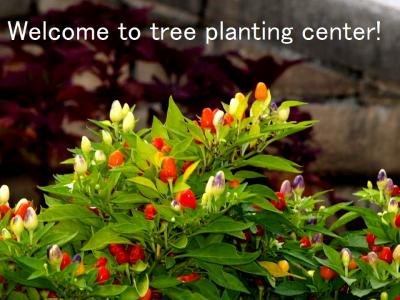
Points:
(179, 211)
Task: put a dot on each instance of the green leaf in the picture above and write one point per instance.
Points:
(270, 162)
(206, 288)
(141, 283)
(130, 228)
(222, 278)
(360, 293)
(174, 117)
(273, 222)
(222, 253)
(299, 256)
(65, 212)
(262, 190)
(20, 277)
(57, 237)
(222, 225)
(139, 266)
(320, 229)
(331, 210)
(333, 257)
(349, 281)
(264, 204)
(252, 268)
(144, 181)
(104, 237)
(163, 282)
(158, 129)
(291, 103)
(109, 290)
(33, 294)
(17, 296)
(30, 262)
(5, 249)
(375, 284)
(344, 219)
(291, 288)
(180, 186)
(162, 187)
(248, 174)
(181, 242)
(129, 198)
(182, 146)
(129, 294)
(182, 294)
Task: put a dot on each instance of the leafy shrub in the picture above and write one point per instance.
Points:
(169, 210)
(174, 212)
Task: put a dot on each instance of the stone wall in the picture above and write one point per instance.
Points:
(353, 87)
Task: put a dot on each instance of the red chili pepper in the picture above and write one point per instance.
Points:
(158, 142)
(103, 274)
(395, 191)
(122, 257)
(281, 203)
(52, 295)
(206, 120)
(150, 212)
(136, 254)
(228, 119)
(352, 264)
(397, 221)
(147, 296)
(168, 170)
(1, 278)
(261, 92)
(114, 249)
(102, 261)
(327, 273)
(280, 239)
(376, 249)
(344, 289)
(166, 149)
(247, 235)
(259, 282)
(116, 159)
(4, 209)
(386, 255)
(305, 242)
(397, 298)
(94, 210)
(233, 183)
(370, 238)
(66, 260)
(260, 230)
(364, 258)
(22, 209)
(156, 295)
(188, 278)
(186, 165)
(187, 199)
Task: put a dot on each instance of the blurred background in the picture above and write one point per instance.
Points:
(49, 88)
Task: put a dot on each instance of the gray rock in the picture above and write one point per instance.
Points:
(309, 80)
(355, 139)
